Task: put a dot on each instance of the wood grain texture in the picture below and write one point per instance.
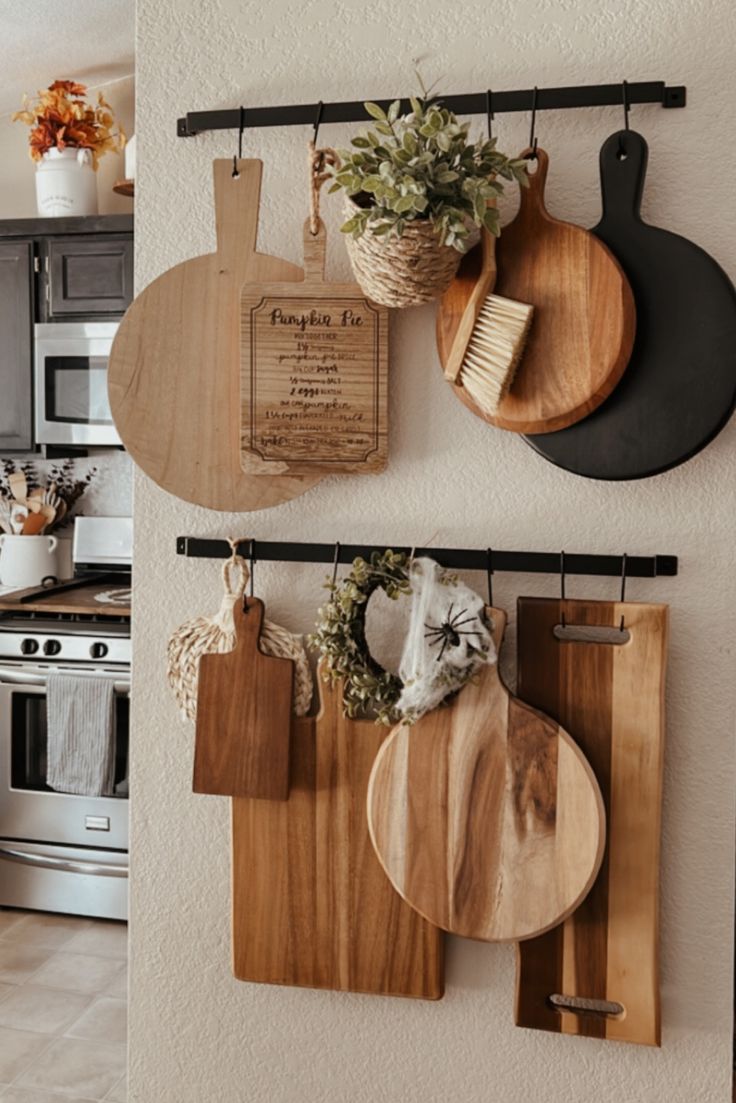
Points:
(461, 303)
(485, 815)
(311, 904)
(584, 316)
(174, 371)
(244, 716)
(612, 699)
(314, 374)
(81, 600)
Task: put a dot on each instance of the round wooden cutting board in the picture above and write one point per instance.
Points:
(174, 372)
(584, 316)
(485, 815)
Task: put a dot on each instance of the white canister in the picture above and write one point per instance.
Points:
(130, 159)
(27, 560)
(66, 184)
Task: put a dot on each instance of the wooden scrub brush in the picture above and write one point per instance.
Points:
(481, 336)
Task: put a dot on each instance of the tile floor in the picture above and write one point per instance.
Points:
(63, 1008)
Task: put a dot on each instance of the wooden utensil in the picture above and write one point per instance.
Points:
(174, 371)
(611, 696)
(584, 318)
(244, 716)
(314, 374)
(18, 486)
(485, 815)
(311, 904)
(680, 387)
(18, 516)
(34, 524)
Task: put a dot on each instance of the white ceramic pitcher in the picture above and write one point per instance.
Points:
(66, 183)
(27, 560)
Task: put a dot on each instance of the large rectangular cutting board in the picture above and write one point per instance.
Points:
(610, 697)
(311, 903)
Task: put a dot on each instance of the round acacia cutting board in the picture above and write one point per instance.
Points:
(174, 372)
(485, 815)
(679, 389)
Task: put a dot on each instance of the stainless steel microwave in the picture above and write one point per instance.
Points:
(71, 402)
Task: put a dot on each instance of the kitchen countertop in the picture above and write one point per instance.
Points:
(80, 600)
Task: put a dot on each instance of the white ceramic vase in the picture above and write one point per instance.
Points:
(27, 560)
(66, 184)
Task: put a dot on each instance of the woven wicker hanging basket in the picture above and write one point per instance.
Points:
(402, 271)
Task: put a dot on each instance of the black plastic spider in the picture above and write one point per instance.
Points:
(450, 631)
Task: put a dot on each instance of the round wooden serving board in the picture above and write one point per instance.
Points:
(680, 387)
(485, 814)
(174, 373)
(584, 316)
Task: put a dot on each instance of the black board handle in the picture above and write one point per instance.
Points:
(623, 166)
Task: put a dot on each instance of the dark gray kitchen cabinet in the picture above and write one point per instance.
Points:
(16, 345)
(89, 277)
(54, 270)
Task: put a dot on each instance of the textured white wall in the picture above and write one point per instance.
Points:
(17, 183)
(197, 1035)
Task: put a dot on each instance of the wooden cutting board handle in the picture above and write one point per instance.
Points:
(244, 705)
(315, 247)
(237, 200)
(531, 200)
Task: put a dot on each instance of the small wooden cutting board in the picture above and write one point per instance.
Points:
(611, 696)
(314, 364)
(311, 905)
(485, 815)
(244, 711)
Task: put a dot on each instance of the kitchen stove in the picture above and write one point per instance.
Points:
(58, 851)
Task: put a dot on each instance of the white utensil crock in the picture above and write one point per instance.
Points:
(66, 183)
(27, 560)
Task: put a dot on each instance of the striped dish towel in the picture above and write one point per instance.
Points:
(81, 735)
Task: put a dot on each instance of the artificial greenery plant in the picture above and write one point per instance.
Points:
(422, 166)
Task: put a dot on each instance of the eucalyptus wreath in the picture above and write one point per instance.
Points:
(341, 641)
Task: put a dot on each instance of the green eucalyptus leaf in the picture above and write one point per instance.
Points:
(374, 110)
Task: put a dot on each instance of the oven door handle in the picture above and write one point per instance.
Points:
(66, 865)
(11, 675)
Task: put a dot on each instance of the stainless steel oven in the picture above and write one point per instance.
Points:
(71, 401)
(58, 851)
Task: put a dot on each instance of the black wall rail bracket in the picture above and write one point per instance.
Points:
(461, 559)
(474, 103)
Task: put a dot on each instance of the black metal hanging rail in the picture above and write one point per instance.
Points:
(474, 103)
(461, 559)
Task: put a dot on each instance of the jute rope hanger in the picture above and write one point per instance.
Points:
(319, 160)
(216, 635)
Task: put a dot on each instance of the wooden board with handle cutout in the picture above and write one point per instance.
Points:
(174, 371)
(244, 704)
(584, 315)
(485, 815)
(598, 974)
(311, 905)
(314, 364)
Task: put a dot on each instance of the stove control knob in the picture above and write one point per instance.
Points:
(98, 650)
(51, 647)
(28, 647)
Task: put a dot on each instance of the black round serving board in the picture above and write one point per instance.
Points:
(679, 388)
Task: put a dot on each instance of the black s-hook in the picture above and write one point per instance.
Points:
(239, 156)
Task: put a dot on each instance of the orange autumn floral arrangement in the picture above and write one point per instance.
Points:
(62, 119)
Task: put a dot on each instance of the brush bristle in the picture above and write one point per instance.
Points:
(494, 351)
